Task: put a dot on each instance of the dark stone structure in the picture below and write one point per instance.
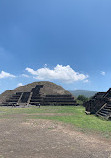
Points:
(39, 93)
(100, 104)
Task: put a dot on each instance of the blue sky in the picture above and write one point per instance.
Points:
(64, 41)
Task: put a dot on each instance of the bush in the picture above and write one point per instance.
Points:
(82, 98)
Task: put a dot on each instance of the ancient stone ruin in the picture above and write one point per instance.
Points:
(100, 104)
(37, 93)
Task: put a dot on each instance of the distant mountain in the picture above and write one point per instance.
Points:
(86, 93)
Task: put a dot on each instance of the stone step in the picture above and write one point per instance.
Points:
(61, 101)
(15, 96)
(102, 114)
(36, 100)
(12, 100)
(59, 104)
(58, 96)
(45, 99)
(104, 111)
(107, 107)
(107, 110)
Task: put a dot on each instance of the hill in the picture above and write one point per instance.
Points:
(86, 93)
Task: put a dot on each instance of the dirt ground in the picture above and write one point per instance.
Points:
(29, 138)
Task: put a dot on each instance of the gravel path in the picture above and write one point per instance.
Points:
(23, 138)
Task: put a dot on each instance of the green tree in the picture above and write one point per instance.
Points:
(82, 98)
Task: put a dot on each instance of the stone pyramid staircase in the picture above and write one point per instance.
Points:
(14, 99)
(35, 97)
(105, 111)
(63, 100)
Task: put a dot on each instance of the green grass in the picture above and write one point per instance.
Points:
(71, 115)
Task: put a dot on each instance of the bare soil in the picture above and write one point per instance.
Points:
(29, 138)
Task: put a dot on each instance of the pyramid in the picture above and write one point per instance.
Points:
(37, 93)
(100, 104)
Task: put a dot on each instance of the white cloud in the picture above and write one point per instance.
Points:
(19, 84)
(4, 74)
(62, 73)
(24, 75)
(103, 73)
(86, 81)
(45, 65)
